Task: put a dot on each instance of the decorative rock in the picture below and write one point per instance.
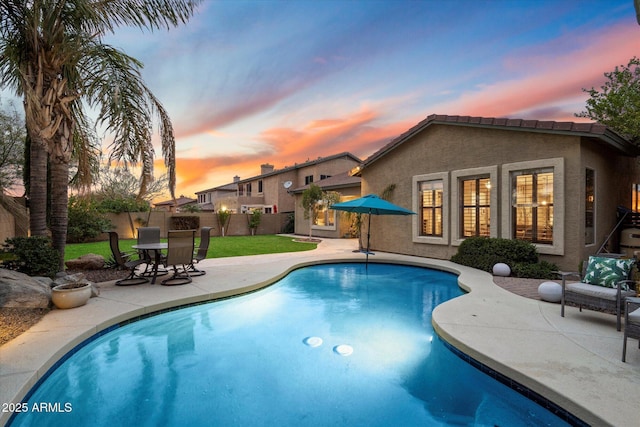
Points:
(18, 290)
(550, 291)
(86, 262)
(501, 269)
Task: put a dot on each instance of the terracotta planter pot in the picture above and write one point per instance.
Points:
(71, 295)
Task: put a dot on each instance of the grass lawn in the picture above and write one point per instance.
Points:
(219, 247)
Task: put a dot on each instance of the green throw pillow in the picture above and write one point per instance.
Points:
(608, 272)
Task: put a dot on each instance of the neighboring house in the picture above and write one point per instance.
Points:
(207, 197)
(271, 190)
(556, 184)
(327, 222)
(175, 205)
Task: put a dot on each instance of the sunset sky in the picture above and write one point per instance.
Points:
(280, 82)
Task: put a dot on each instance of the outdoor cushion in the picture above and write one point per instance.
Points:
(597, 291)
(634, 316)
(607, 272)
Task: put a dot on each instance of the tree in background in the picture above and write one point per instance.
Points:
(310, 198)
(12, 140)
(117, 183)
(617, 104)
(52, 55)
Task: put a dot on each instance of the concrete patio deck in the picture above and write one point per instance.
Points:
(573, 361)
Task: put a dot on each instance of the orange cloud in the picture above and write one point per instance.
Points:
(358, 134)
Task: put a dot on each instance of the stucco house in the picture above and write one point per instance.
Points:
(174, 205)
(271, 191)
(327, 222)
(556, 184)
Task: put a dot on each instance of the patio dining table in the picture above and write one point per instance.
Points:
(157, 248)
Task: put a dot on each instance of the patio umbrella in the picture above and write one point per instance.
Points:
(371, 205)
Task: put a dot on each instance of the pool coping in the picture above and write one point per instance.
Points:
(573, 361)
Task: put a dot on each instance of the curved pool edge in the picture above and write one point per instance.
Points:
(52, 341)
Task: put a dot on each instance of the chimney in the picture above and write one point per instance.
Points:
(266, 168)
(236, 178)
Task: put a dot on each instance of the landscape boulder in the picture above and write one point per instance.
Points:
(86, 262)
(18, 290)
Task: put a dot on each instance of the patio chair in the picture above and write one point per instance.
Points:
(181, 244)
(201, 253)
(124, 262)
(631, 323)
(149, 235)
(604, 285)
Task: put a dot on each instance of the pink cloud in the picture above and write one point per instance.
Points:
(559, 77)
(357, 133)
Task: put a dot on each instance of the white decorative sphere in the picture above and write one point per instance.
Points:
(550, 291)
(501, 269)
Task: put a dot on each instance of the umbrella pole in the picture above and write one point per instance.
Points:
(368, 237)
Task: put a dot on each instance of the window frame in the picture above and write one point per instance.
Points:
(457, 177)
(330, 213)
(593, 206)
(557, 166)
(417, 207)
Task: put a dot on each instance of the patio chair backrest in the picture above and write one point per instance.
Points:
(180, 247)
(205, 233)
(148, 235)
(115, 249)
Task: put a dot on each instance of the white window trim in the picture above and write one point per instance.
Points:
(415, 221)
(327, 227)
(456, 177)
(595, 207)
(557, 248)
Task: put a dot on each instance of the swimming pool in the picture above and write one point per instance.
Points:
(327, 345)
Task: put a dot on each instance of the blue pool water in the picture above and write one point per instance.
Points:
(329, 345)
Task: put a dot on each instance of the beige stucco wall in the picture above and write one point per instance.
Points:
(126, 224)
(343, 220)
(7, 225)
(445, 149)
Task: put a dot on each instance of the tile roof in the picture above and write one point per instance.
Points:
(180, 201)
(234, 185)
(302, 165)
(341, 180)
(593, 130)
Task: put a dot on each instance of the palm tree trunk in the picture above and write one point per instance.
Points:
(38, 188)
(59, 202)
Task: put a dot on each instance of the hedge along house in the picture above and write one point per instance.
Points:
(556, 184)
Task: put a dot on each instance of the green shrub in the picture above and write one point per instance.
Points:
(85, 221)
(185, 222)
(33, 256)
(541, 270)
(521, 256)
(123, 204)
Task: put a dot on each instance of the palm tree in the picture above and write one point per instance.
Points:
(53, 56)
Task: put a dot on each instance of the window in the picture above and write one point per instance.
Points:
(308, 179)
(260, 186)
(324, 217)
(324, 177)
(430, 200)
(248, 189)
(532, 203)
(589, 203)
(240, 189)
(635, 197)
(475, 207)
(533, 196)
(431, 195)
